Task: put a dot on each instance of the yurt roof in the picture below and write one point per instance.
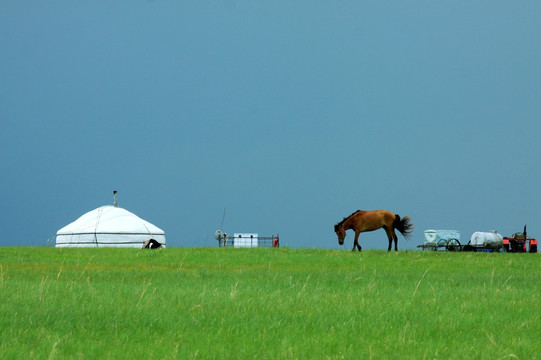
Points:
(110, 220)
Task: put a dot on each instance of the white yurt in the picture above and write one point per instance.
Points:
(108, 226)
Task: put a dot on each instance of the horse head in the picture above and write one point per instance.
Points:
(340, 232)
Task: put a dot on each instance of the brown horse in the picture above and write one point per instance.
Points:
(361, 221)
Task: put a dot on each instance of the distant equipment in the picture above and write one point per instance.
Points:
(220, 235)
(517, 242)
(442, 239)
(245, 240)
(488, 241)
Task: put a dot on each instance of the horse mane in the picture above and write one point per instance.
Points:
(344, 219)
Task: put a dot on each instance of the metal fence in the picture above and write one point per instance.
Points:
(259, 241)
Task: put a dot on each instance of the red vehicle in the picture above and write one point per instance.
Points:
(518, 241)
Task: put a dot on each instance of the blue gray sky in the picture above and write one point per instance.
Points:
(290, 114)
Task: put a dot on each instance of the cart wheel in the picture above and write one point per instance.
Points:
(454, 245)
(442, 243)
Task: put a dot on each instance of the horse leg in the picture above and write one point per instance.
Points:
(389, 237)
(395, 240)
(356, 242)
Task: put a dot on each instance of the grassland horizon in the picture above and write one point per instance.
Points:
(189, 303)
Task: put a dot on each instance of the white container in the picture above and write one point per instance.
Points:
(491, 240)
(432, 237)
(245, 240)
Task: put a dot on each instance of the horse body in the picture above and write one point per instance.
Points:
(363, 221)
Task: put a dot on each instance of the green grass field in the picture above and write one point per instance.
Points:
(211, 303)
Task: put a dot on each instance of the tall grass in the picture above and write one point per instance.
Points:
(267, 303)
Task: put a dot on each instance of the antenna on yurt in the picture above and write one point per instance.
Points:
(114, 199)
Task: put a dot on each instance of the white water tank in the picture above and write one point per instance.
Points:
(491, 239)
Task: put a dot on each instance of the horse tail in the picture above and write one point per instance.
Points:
(403, 225)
